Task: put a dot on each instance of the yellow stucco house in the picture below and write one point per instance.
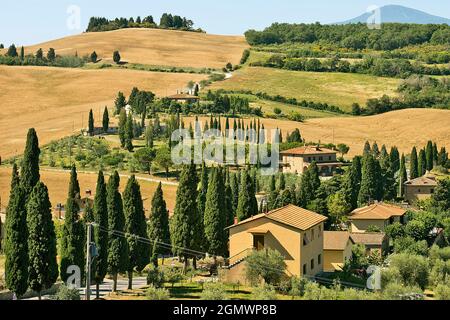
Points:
(421, 188)
(378, 215)
(295, 232)
(297, 160)
(337, 249)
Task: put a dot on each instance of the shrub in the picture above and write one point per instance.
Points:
(264, 292)
(417, 230)
(277, 111)
(268, 265)
(153, 293)
(442, 292)
(214, 291)
(66, 293)
(395, 230)
(413, 269)
(397, 291)
(155, 277)
(409, 245)
(173, 275)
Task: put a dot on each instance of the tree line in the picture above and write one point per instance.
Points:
(167, 21)
(352, 36)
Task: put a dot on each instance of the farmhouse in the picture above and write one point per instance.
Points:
(337, 249)
(184, 98)
(378, 215)
(421, 188)
(294, 232)
(372, 241)
(297, 160)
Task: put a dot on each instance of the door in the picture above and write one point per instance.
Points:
(258, 242)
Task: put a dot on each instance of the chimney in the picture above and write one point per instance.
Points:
(235, 220)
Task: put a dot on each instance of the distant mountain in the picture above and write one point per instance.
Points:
(400, 14)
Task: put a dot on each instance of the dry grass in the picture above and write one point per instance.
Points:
(155, 47)
(404, 128)
(340, 89)
(58, 186)
(56, 101)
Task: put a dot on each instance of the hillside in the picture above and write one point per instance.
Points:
(153, 47)
(401, 14)
(58, 184)
(404, 128)
(340, 89)
(55, 100)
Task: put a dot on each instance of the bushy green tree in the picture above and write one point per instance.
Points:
(118, 248)
(16, 240)
(135, 226)
(268, 265)
(116, 57)
(43, 268)
(100, 232)
(120, 103)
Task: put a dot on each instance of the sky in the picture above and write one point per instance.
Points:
(35, 21)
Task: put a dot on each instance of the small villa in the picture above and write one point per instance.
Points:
(421, 188)
(372, 241)
(184, 98)
(297, 160)
(295, 232)
(337, 249)
(378, 215)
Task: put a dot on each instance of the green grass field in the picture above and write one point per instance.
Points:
(340, 89)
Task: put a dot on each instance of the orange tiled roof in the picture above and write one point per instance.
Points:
(377, 211)
(335, 240)
(307, 150)
(368, 238)
(290, 215)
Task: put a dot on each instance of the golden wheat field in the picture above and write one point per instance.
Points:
(154, 47)
(404, 129)
(56, 101)
(58, 186)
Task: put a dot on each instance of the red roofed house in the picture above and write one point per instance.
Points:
(295, 232)
(337, 249)
(420, 189)
(297, 160)
(377, 215)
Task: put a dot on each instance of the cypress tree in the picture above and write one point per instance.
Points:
(203, 190)
(435, 153)
(122, 127)
(135, 226)
(91, 123)
(22, 54)
(422, 163)
(403, 176)
(229, 200)
(73, 238)
(234, 184)
(105, 121)
(120, 103)
(370, 181)
(129, 133)
(15, 179)
(272, 185)
(309, 185)
(246, 203)
(352, 182)
(30, 166)
(394, 157)
(414, 166)
(184, 222)
(16, 240)
(215, 215)
(429, 156)
(100, 232)
(375, 150)
(367, 148)
(282, 182)
(158, 226)
(118, 249)
(43, 268)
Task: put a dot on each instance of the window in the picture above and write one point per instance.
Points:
(312, 234)
(304, 269)
(320, 158)
(312, 264)
(329, 158)
(305, 240)
(319, 259)
(432, 191)
(309, 159)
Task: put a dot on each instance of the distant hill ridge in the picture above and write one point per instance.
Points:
(400, 14)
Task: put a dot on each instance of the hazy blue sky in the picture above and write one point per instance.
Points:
(33, 21)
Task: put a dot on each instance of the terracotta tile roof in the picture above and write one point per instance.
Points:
(336, 240)
(422, 181)
(374, 239)
(307, 150)
(377, 211)
(290, 215)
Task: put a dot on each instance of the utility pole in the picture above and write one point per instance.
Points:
(88, 261)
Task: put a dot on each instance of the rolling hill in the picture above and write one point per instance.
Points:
(404, 128)
(401, 14)
(153, 47)
(55, 100)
